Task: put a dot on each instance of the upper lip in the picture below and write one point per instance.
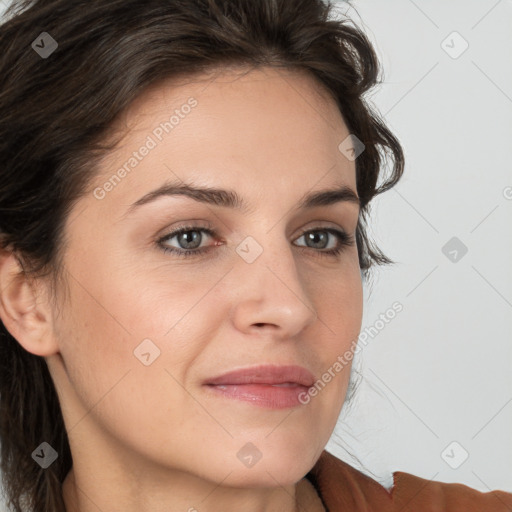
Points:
(266, 374)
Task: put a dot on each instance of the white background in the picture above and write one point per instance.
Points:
(441, 370)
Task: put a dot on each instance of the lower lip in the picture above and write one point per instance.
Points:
(263, 395)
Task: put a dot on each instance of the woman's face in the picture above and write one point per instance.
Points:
(142, 330)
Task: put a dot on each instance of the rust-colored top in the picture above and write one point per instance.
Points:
(343, 488)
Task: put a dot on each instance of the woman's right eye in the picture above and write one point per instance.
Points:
(190, 237)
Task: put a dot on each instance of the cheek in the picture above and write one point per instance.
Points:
(109, 385)
(340, 308)
(94, 345)
(150, 324)
(338, 297)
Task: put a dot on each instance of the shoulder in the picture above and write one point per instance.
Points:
(413, 493)
(343, 487)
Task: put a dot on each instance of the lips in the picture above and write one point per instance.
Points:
(283, 376)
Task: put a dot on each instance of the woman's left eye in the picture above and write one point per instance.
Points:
(189, 239)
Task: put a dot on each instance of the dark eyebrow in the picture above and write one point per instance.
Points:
(230, 199)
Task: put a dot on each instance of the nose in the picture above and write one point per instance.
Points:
(269, 293)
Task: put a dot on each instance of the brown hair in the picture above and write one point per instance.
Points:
(54, 112)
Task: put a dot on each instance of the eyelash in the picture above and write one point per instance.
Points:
(344, 239)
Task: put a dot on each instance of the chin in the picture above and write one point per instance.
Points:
(251, 467)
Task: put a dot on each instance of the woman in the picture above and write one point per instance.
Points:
(185, 186)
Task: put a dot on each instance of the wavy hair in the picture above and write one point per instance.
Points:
(55, 113)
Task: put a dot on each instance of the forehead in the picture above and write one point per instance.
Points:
(255, 130)
(278, 87)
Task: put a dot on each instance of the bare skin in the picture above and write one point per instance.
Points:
(153, 438)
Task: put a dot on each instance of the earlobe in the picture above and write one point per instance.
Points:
(23, 311)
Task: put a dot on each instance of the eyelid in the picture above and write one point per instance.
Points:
(188, 227)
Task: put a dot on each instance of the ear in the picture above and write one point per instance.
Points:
(24, 310)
